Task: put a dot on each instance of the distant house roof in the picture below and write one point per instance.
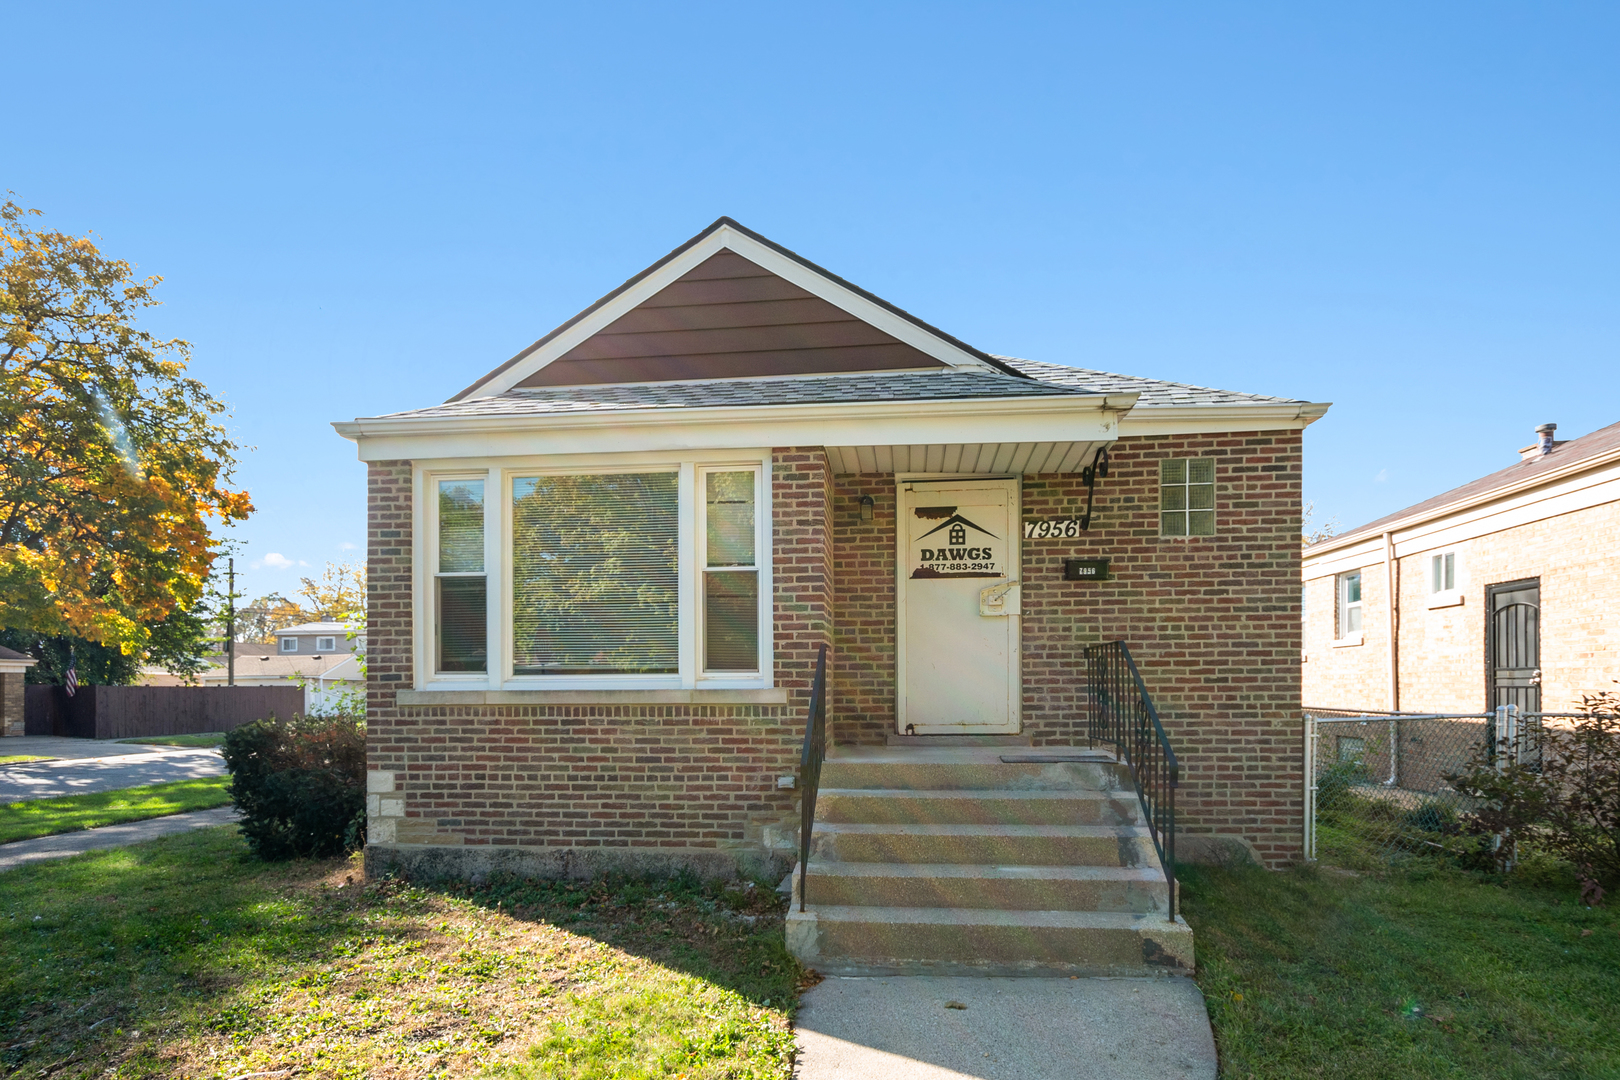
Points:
(1566, 457)
(13, 662)
(314, 628)
(291, 665)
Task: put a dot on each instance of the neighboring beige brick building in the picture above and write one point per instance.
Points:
(1507, 590)
(600, 576)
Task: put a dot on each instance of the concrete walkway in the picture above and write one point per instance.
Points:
(98, 766)
(901, 1028)
(62, 845)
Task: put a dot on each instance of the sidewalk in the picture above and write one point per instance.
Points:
(901, 1028)
(86, 766)
(62, 845)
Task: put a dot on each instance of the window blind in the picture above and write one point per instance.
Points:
(594, 575)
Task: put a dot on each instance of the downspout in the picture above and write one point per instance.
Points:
(1392, 609)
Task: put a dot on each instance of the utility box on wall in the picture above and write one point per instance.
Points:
(1085, 570)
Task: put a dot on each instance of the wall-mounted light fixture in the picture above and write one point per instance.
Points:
(866, 508)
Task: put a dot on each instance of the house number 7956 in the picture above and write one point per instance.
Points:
(1052, 528)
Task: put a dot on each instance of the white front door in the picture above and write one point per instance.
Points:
(958, 598)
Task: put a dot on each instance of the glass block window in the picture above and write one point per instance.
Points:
(730, 570)
(594, 574)
(460, 601)
(1187, 497)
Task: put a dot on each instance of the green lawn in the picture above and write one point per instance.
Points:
(46, 817)
(1414, 971)
(209, 739)
(184, 957)
(18, 759)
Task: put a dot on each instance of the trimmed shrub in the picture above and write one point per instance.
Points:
(300, 785)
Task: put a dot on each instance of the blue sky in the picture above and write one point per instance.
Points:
(1407, 210)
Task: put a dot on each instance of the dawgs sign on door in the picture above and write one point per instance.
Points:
(951, 545)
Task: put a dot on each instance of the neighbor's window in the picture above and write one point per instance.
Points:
(1350, 604)
(1187, 497)
(325, 644)
(594, 575)
(730, 570)
(1443, 572)
(460, 600)
(289, 644)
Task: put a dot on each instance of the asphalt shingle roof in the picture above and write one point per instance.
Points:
(1153, 391)
(830, 389)
(1038, 379)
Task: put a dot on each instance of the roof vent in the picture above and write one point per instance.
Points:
(1544, 444)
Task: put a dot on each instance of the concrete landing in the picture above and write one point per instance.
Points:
(1011, 1029)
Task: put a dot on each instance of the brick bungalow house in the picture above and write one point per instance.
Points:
(600, 576)
(1507, 591)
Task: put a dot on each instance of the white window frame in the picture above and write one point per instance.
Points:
(427, 605)
(1443, 597)
(325, 644)
(498, 475)
(1341, 606)
(285, 638)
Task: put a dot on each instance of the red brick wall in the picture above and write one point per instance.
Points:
(863, 556)
(1213, 622)
(644, 778)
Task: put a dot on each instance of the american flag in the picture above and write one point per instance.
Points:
(71, 679)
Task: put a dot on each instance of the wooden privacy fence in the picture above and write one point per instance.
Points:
(128, 712)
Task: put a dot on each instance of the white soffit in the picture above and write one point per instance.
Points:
(726, 238)
(964, 458)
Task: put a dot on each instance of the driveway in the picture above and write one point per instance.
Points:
(114, 766)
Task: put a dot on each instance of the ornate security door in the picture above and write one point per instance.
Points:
(1513, 645)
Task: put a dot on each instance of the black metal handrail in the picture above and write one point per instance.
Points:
(1122, 714)
(815, 752)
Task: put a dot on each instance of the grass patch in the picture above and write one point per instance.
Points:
(184, 957)
(47, 817)
(1416, 970)
(18, 759)
(210, 739)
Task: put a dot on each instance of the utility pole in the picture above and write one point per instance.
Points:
(230, 623)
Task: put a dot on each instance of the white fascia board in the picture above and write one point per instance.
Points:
(1369, 551)
(1209, 419)
(727, 238)
(1090, 418)
(1538, 504)
(16, 667)
(1556, 492)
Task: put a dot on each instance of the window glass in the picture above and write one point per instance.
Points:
(463, 627)
(1350, 604)
(730, 621)
(1443, 576)
(289, 644)
(594, 574)
(461, 526)
(730, 579)
(729, 515)
(1187, 497)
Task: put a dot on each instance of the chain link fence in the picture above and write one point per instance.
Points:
(1376, 783)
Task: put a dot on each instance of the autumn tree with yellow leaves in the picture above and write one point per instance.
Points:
(113, 464)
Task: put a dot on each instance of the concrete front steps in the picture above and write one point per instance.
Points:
(943, 860)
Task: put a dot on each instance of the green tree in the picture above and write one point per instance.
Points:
(112, 462)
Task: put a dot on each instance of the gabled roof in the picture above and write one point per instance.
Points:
(731, 302)
(1576, 455)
